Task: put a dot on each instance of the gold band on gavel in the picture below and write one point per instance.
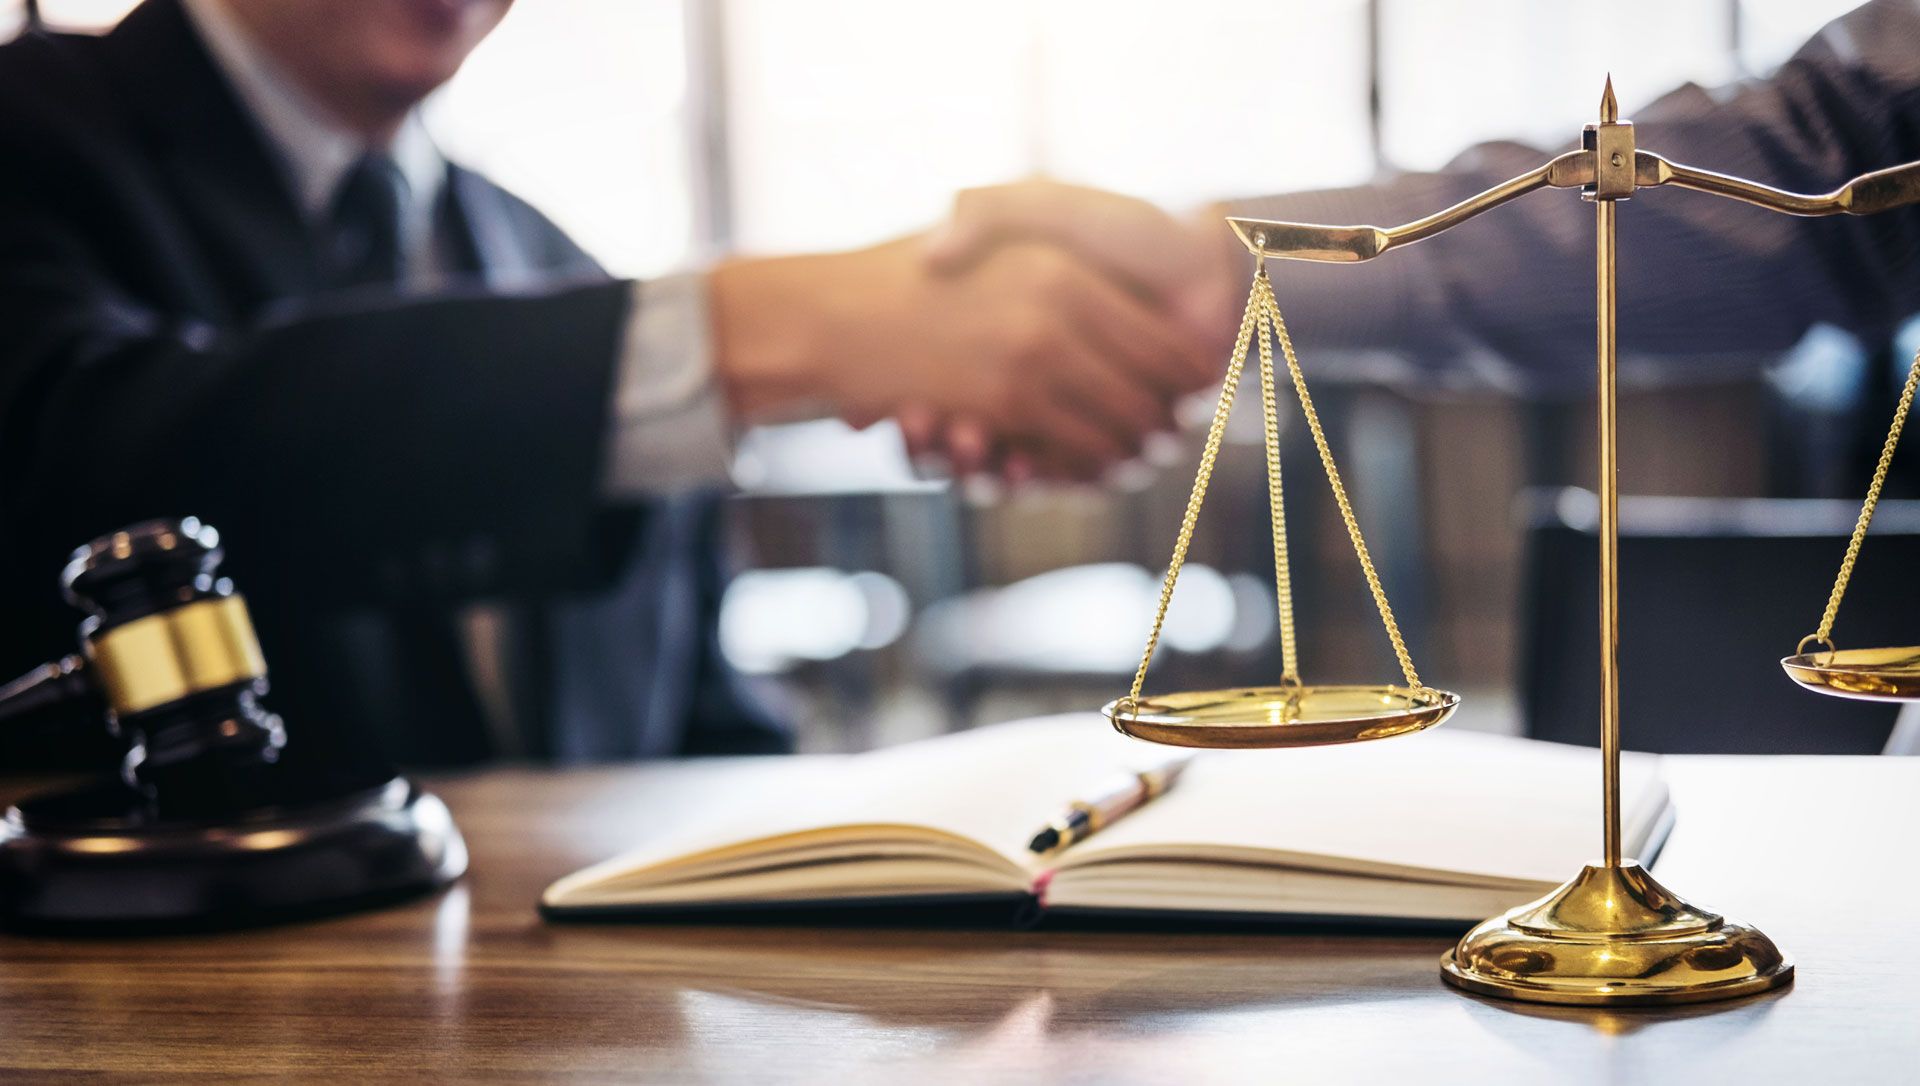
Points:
(204, 645)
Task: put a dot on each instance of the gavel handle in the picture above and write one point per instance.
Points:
(45, 686)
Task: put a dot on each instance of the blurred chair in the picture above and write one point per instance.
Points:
(1713, 592)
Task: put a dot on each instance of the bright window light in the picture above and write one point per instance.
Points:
(1456, 74)
(1207, 99)
(1773, 30)
(580, 108)
(773, 619)
(855, 120)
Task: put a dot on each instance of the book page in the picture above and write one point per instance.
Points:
(996, 785)
(993, 786)
(1440, 805)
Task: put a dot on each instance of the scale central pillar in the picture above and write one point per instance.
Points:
(1612, 935)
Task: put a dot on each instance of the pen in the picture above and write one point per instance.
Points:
(1130, 792)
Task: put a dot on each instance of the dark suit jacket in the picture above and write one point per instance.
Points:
(374, 462)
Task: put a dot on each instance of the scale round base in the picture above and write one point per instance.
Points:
(1280, 716)
(1866, 674)
(1614, 937)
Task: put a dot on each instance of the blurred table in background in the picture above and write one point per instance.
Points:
(470, 984)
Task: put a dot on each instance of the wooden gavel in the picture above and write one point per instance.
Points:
(168, 656)
(204, 825)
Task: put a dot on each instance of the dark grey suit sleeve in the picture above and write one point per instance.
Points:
(1706, 285)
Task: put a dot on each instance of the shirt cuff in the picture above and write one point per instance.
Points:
(670, 426)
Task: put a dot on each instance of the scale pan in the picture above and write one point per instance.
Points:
(1867, 674)
(1281, 716)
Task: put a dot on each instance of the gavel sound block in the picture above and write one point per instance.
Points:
(203, 824)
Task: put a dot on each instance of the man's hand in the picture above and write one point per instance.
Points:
(1192, 268)
(1049, 359)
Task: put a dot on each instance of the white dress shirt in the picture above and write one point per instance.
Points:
(669, 427)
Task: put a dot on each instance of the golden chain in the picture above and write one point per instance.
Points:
(1825, 632)
(1282, 568)
(1263, 313)
(1265, 289)
(1215, 432)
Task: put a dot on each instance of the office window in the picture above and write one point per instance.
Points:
(1453, 74)
(1771, 30)
(855, 120)
(580, 107)
(1210, 98)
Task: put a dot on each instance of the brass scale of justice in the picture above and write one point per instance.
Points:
(1612, 935)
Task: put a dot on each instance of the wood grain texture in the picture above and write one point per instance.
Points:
(471, 985)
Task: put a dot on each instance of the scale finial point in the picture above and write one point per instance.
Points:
(1609, 108)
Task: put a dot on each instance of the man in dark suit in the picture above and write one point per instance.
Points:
(238, 281)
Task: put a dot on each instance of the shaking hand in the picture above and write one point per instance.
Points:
(1031, 350)
(1189, 271)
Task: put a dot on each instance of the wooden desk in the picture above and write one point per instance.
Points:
(1819, 852)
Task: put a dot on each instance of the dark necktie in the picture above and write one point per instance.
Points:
(363, 243)
(418, 670)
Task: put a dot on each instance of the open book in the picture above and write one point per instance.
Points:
(1440, 826)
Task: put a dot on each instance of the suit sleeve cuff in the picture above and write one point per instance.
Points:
(671, 429)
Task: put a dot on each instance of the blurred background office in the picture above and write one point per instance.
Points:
(886, 604)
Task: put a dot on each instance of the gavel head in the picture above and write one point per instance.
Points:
(173, 653)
